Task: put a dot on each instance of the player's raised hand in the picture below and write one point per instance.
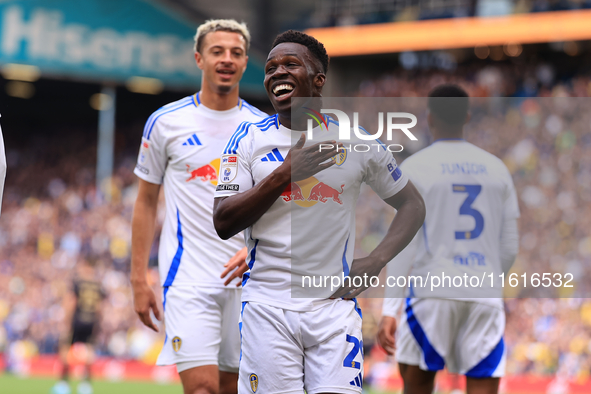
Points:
(238, 265)
(386, 332)
(305, 162)
(144, 301)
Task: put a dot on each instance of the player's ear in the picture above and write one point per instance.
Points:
(199, 60)
(319, 80)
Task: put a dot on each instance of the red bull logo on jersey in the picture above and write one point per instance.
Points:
(322, 192)
(292, 192)
(311, 191)
(206, 173)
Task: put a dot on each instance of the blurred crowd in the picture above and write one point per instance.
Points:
(53, 217)
(532, 79)
(356, 12)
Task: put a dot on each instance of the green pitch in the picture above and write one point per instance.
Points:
(10, 384)
(14, 385)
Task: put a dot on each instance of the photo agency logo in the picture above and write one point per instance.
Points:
(344, 126)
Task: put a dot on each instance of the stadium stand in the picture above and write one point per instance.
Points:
(358, 12)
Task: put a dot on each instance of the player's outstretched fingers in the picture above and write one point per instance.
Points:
(321, 159)
(240, 270)
(229, 268)
(331, 149)
(237, 264)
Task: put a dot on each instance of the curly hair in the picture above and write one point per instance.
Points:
(314, 46)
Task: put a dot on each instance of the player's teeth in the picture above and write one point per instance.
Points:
(282, 87)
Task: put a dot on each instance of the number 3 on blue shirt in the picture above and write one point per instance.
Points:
(466, 209)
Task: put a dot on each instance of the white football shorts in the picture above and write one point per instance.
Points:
(201, 327)
(465, 336)
(284, 351)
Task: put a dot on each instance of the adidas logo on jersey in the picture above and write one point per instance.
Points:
(358, 381)
(193, 140)
(274, 155)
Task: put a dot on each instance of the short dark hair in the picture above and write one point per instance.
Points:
(314, 46)
(450, 104)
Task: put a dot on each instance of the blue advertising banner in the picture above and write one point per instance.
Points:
(105, 40)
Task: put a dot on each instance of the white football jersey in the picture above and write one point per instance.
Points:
(310, 229)
(180, 149)
(468, 192)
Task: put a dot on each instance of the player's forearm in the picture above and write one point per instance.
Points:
(142, 235)
(406, 223)
(235, 213)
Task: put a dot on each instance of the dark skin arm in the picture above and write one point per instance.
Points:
(235, 213)
(408, 220)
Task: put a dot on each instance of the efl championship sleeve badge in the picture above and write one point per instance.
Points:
(144, 149)
(228, 168)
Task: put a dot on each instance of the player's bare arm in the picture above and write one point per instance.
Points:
(235, 213)
(142, 235)
(408, 220)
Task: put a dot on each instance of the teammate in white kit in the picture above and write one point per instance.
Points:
(470, 228)
(180, 149)
(294, 344)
